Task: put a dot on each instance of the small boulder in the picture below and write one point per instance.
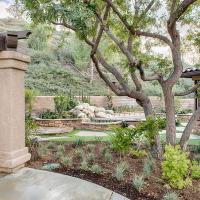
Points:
(101, 115)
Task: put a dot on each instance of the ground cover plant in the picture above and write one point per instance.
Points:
(135, 177)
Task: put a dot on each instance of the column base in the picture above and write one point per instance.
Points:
(12, 161)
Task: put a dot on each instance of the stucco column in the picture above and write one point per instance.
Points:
(13, 153)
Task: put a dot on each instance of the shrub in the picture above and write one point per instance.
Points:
(148, 167)
(50, 145)
(124, 166)
(79, 153)
(138, 153)
(175, 167)
(138, 182)
(96, 169)
(124, 124)
(195, 170)
(84, 165)
(119, 173)
(29, 99)
(42, 151)
(171, 196)
(66, 161)
(90, 147)
(60, 104)
(49, 115)
(97, 139)
(121, 140)
(108, 156)
(78, 142)
(120, 169)
(90, 158)
(150, 128)
(61, 148)
(59, 155)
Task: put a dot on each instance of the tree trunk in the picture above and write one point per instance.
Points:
(188, 129)
(170, 116)
(148, 110)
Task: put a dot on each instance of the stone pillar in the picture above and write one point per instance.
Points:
(13, 153)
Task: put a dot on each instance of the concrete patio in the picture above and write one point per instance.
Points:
(31, 184)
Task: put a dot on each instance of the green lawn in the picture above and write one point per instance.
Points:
(71, 137)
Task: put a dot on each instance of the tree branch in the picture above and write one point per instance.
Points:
(191, 90)
(134, 32)
(157, 77)
(174, 17)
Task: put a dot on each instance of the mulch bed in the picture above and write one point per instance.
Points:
(154, 189)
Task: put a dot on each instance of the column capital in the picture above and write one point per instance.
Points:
(13, 59)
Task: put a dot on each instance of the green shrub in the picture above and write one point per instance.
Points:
(67, 161)
(171, 196)
(108, 156)
(79, 153)
(29, 100)
(90, 158)
(121, 140)
(148, 167)
(61, 148)
(150, 128)
(84, 165)
(97, 139)
(64, 103)
(138, 153)
(59, 155)
(42, 151)
(175, 167)
(138, 182)
(49, 115)
(90, 147)
(96, 169)
(60, 104)
(78, 142)
(119, 173)
(124, 166)
(195, 170)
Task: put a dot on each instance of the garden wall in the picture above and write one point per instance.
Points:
(46, 102)
(75, 123)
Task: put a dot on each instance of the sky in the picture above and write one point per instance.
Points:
(3, 5)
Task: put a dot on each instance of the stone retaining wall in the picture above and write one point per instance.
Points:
(75, 123)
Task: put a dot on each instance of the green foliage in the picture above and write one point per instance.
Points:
(40, 36)
(78, 142)
(138, 153)
(171, 196)
(124, 166)
(29, 100)
(150, 128)
(84, 165)
(122, 139)
(49, 115)
(67, 161)
(90, 147)
(84, 98)
(96, 169)
(138, 182)
(30, 127)
(195, 170)
(61, 148)
(148, 166)
(79, 153)
(90, 158)
(119, 173)
(42, 151)
(108, 156)
(175, 167)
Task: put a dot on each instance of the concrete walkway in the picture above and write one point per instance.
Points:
(31, 184)
(91, 133)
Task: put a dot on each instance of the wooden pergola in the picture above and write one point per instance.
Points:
(194, 74)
